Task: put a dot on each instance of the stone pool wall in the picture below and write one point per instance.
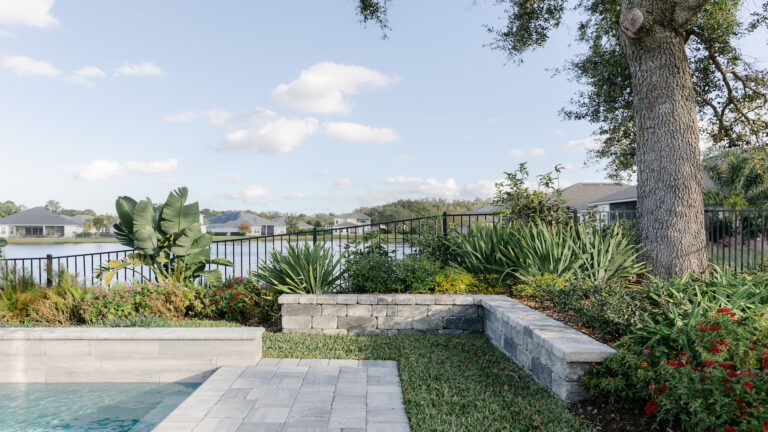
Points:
(554, 354)
(124, 354)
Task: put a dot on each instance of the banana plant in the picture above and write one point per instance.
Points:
(166, 238)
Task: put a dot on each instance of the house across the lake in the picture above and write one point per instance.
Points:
(353, 223)
(39, 222)
(242, 223)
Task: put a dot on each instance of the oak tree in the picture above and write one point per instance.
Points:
(655, 72)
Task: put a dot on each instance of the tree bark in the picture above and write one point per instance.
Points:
(670, 220)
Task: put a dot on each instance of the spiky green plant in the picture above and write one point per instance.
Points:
(606, 255)
(303, 269)
(478, 250)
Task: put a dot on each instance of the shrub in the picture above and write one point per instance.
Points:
(478, 251)
(415, 273)
(438, 247)
(304, 269)
(456, 280)
(239, 299)
(369, 269)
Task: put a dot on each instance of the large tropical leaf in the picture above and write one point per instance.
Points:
(144, 234)
(175, 216)
(124, 228)
(190, 241)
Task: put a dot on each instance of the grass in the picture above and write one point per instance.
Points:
(157, 322)
(450, 383)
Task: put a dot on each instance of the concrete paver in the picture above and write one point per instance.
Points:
(285, 395)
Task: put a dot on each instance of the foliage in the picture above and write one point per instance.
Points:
(3, 243)
(608, 254)
(369, 268)
(8, 208)
(241, 300)
(456, 280)
(479, 250)
(438, 247)
(740, 178)
(450, 383)
(415, 208)
(415, 273)
(304, 269)
(519, 203)
(166, 238)
(719, 383)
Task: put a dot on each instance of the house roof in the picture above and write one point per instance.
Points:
(624, 195)
(346, 225)
(37, 216)
(237, 218)
(581, 195)
(280, 221)
(80, 219)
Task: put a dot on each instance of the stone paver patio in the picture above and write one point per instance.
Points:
(295, 395)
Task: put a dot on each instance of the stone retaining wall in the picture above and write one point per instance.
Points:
(124, 354)
(556, 355)
(386, 314)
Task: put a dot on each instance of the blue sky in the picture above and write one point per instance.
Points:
(291, 106)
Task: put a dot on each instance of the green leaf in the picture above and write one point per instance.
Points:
(175, 216)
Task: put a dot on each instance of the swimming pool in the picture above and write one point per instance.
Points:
(121, 407)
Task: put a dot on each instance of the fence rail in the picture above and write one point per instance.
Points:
(735, 239)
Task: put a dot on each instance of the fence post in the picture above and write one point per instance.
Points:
(445, 223)
(314, 235)
(48, 270)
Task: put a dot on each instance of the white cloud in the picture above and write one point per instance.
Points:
(297, 196)
(27, 66)
(353, 132)
(345, 183)
(326, 87)
(538, 152)
(251, 194)
(418, 187)
(87, 75)
(34, 13)
(583, 145)
(100, 170)
(143, 70)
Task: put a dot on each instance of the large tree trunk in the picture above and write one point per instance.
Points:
(669, 172)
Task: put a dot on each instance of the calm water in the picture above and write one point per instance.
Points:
(40, 250)
(123, 407)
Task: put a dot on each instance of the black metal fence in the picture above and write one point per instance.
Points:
(735, 239)
(248, 254)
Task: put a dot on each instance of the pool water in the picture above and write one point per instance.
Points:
(115, 407)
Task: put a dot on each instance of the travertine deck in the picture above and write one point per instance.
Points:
(295, 395)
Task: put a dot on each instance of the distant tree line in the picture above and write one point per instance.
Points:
(414, 208)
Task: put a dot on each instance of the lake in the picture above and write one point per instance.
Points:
(58, 250)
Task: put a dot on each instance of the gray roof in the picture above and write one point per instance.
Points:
(624, 195)
(581, 195)
(235, 219)
(346, 225)
(280, 221)
(37, 216)
(80, 219)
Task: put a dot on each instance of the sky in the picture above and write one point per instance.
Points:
(290, 106)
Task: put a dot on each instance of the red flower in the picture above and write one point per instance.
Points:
(708, 363)
(730, 429)
(643, 364)
(747, 386)
(651, 407)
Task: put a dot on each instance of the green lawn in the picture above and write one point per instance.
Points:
(450, 383)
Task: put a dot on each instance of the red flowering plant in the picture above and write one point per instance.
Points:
(722, 384)
(239, 299)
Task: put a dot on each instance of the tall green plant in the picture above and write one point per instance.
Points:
(305, 269)
(479, 250)
(167, 238)
(3, 243)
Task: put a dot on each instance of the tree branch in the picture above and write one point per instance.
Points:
(687, 10)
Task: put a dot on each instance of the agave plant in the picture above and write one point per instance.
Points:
(606, 255)
(304, 269)
(479, 250)
(539, 248)
(166, 238)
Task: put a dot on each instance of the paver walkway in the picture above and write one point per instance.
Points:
(295, 395)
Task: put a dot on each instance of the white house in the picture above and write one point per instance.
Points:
(38, 222)
(354, 223)
(232, 223)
